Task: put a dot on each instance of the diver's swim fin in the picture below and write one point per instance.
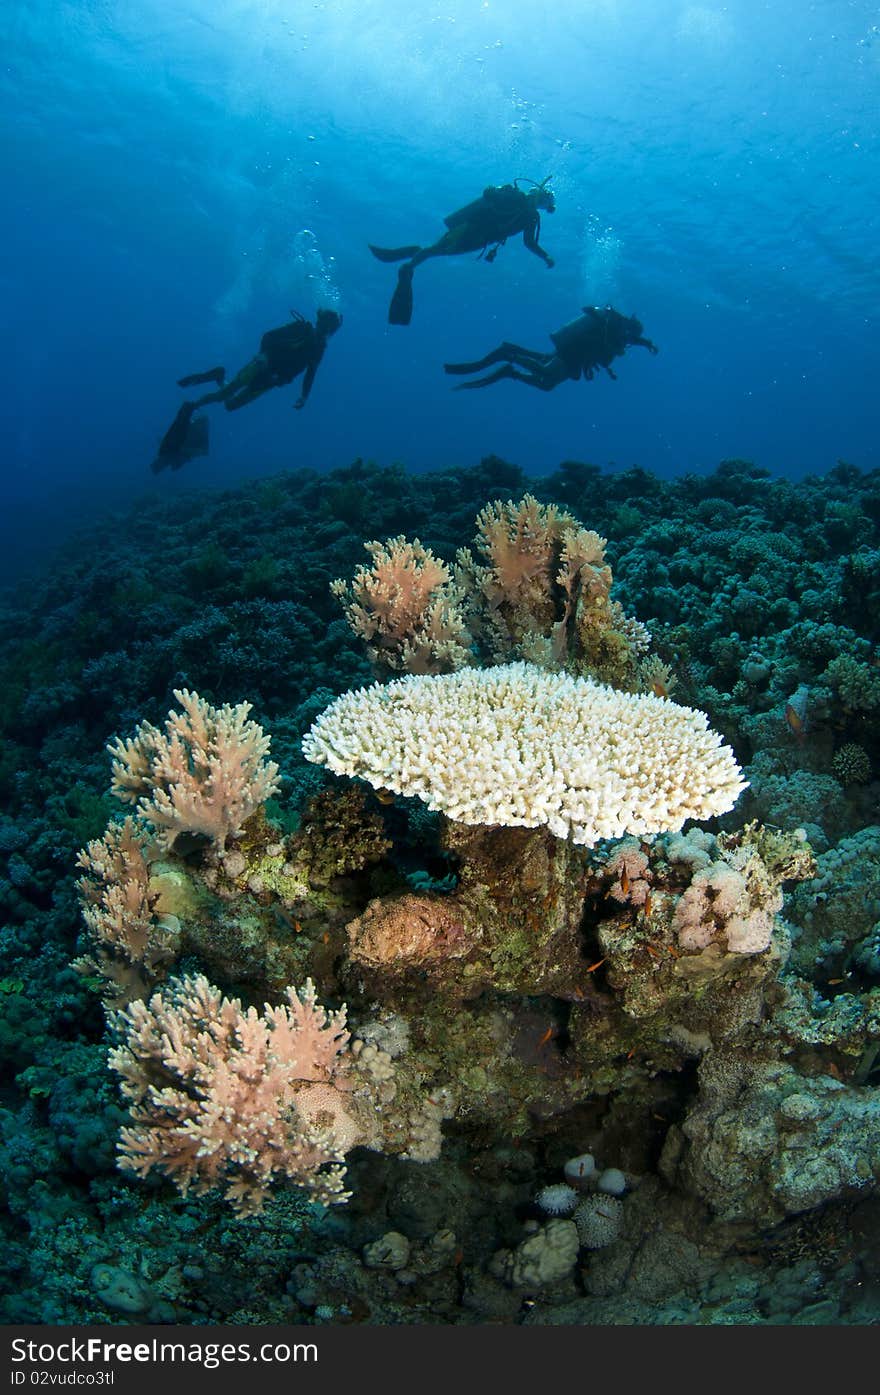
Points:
(211, 375)
(174, 441)
(401, 307)
(507, 371)
(465, 367)
(393, 254)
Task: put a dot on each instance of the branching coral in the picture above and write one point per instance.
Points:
(206, 774)
(517, 746)
(536, 587)
(132, 944)
(222, 1097)
(523, 548)
(407, 610)
(541, 590)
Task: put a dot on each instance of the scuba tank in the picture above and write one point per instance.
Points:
(571, 340)
(496, 200)
(287, 337)
(493, 199)
(476, 210)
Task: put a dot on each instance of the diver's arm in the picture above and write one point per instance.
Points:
(645, 344)
(308, 380)
(531, 233)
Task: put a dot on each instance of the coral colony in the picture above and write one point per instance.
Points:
(529, 762)
(516, 903)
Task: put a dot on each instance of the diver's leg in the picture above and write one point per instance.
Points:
(506, 372)
(538, 378)
(243, 379)
(254, 374)
(545, 371)
(211, 375)
(401, 307)
(207, 398)
(445, 246)
(545, 382)
(526, 358)
(505, 353)
(246, 396)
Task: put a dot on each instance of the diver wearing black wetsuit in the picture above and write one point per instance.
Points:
(582, 346)
(500, 212)
(286, 352)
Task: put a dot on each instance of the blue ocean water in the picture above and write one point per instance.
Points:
(176, 178)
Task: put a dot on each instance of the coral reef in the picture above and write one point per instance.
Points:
(219, 1096)
(698, 1008)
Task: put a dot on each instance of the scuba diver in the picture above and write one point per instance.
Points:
(500, 212)
(590, 342)
(286, 352)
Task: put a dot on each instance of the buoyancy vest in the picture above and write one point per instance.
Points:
(288, 350)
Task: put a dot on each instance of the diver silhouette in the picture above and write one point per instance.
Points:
(284, 353)
(500, 212)
(582, 346)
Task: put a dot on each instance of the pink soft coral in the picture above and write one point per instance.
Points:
(406, 608)
(223, 1097)
(205, 774)
(131, 943)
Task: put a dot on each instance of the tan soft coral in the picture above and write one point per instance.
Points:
(536, 587)
(514, 589)
(407, 610)
(132, 943)
(227, 1098)
(206, 774)
(223, 1097)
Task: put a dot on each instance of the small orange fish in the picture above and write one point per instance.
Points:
(658, 688)
(832, 981)
(648, 906)
(598, 964)
(796, 713)
(624, 880)
(548, 1036)
(654, 953)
